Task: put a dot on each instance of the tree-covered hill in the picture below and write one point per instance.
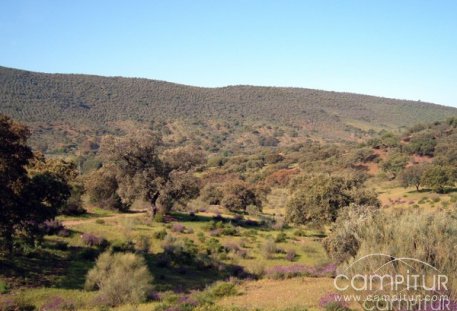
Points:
(65, 103)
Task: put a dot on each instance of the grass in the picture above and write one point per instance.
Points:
(280, 294)
(60, 266)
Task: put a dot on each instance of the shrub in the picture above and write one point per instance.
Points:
(88, 254)
(344, 241)
(213, 246)
(143, 244)
(223, 289)
(268, 141)
(201, 237)
(269, 249)
(65, 233)
(177, 227)
(278, 224)
(430, 236)
(291, 255)
(178, 251)
(333, 302)
(52, 226)
(423, 144)
(160, 235)
(230, 229)
(120, 279)
(159, 217)
(238, 195)
(4, 289)
(236, 249)
(93, 240)
(281, 237)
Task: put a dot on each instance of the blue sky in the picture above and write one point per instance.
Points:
(401, 49)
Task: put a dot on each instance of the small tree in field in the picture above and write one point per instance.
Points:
(412, 176)
(438, 177)
(140, 171)
(238, 195)
(317, 199)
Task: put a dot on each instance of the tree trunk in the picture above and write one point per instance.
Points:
(154, 208)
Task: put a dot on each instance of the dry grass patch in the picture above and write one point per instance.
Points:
(280, 294)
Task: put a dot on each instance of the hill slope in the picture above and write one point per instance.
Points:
(95, 103)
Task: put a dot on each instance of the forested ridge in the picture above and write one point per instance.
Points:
(91, 105)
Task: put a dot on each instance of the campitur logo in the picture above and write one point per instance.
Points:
(384, 282)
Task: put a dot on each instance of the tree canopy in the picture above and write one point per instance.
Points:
(25, 201)
(137, 168)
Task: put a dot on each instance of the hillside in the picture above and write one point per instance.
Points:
(69, 108)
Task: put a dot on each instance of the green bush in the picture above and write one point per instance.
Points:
(422, 143)
(213, 246)
(223, 289)
(120, 279)
(201, 237)
(239, 195)
(281, 237)
(160, 235)
(159, 217)
(4, 289)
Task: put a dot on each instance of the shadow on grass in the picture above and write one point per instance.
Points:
(193, 274)
(53, 265)
(427, 190)
(60, 266)
(244, 223)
